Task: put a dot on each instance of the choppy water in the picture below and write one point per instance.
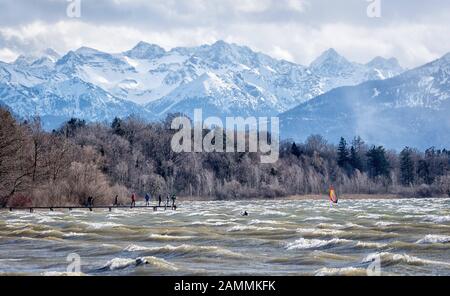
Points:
(411, 237)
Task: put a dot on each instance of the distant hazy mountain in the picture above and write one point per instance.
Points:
(223, 79)
(410, 109)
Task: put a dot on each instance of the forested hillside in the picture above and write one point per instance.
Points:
(104, 160)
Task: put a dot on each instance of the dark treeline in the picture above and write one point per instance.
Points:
(80, 160)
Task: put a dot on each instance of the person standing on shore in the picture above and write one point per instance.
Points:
(133, 200)
(147, 199)
(116, 201)
(174, 199)
(90, 202)
(160, 199)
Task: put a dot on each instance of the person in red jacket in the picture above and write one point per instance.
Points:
(133, 200)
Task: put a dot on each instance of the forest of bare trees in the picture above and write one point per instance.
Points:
(65, 166)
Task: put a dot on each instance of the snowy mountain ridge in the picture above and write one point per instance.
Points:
(410, 109)
(226, 79)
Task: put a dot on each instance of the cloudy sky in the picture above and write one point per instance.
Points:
(414, 31)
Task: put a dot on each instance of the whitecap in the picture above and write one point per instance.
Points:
(62, 273)
(100, 225)
(370, 245)
(323, 232)
(255, 228)
(303, 243)
(345, 271)
(183, 249)
(122, 263)
(437, 219)
(74, 234)
(119, 263)
(135, 248)
(165, 237)
(385, 223)
(274, 213)
(318, 218)
(204, 223)
(370, 216)
(256, 221)
(387, 258)
(431, 239)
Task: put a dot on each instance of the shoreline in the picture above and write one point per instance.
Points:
(312, 197)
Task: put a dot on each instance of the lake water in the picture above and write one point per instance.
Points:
(407, 237)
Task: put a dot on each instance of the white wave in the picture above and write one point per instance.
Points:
(270, 222)
(16, 221)
(387, 258)
(370, 245)
(273, 213)
(221, 220)
(205, 223)
(119, 263)
(353, 225)
(122, 263)
(255, 228)
(61, 273)
(323, 232)
(431, 239)
(183, 249)
(385, 223)
(159, 263)
(100, 225)
(46, 220)
(135, 248)
(74, 234)
(345, 271)
(200, 213)
(318, 218)
(369, 216)
(169, 237)
(330, 225)
(437, 219)
(303, 243)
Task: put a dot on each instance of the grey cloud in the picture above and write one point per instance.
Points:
(290, 28)
(176, 13)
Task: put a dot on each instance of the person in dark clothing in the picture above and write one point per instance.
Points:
(147, 199)
(174, 198)
(133, 200)
(116, 201)
(160, 199)
(90, 201)
(245, 214)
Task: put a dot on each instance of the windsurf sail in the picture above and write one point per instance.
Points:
(333, 195)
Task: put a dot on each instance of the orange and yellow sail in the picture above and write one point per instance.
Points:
(333, 195)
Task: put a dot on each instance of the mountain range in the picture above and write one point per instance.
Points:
(411, 109)
(332, 96)
(224, 79)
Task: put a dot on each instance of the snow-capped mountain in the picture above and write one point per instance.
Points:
(410, 109)
(335, 71)
(224, 79)
(48, 86)
(58, 101)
